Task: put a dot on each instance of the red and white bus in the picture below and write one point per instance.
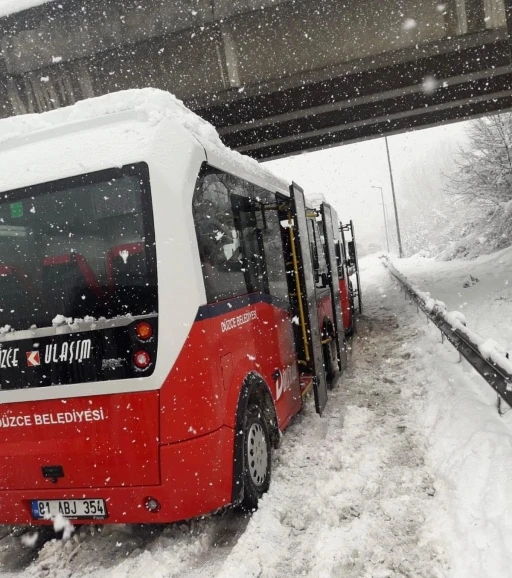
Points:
(165, 306)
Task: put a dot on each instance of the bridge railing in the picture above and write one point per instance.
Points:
(491, 362)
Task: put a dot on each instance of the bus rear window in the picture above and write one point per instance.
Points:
(77, 248)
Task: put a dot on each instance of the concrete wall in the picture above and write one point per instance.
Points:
(86, 28)
(311, 35)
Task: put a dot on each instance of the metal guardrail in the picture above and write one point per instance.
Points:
(492, 370)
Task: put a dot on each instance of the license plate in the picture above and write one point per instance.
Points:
(73, 509)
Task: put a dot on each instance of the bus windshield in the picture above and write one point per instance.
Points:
(77, 248)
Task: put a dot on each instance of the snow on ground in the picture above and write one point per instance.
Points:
(470, 451)
(486, 303)
(406, 474)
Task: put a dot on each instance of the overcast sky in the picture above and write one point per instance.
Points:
(345, 174)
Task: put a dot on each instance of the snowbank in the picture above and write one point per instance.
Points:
(487, 231)
(488, 348)
(480, 289)
(470, 452)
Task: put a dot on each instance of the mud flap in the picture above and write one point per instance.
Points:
(314, 353)
(331, 234)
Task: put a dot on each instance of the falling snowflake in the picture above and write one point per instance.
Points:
(29, 540)
(409, 24)
(430, 84)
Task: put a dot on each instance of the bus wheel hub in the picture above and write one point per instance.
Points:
(257, 452)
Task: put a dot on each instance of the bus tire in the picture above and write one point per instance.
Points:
(257, 457)
(330, 360)
(352, 328)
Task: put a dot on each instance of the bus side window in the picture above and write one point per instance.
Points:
(239, 238)
(320, 249)
(317, 249)
(340, 259)
(312, 245)
(249, 225)
(264, 254)
(219, 245)
(274, 253)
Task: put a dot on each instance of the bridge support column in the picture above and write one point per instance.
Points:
(475, 15)
(508, 15)
(231, 56)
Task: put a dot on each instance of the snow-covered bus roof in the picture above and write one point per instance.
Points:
(8, 7)
(136, 114)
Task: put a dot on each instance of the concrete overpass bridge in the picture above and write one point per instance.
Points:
(276, 77)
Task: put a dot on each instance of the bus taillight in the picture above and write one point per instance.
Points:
(142, 359)
(144, 331)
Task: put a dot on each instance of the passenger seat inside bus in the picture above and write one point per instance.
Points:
(70, 286)
(13, 283)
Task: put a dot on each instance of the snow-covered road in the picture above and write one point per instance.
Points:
(404, 475)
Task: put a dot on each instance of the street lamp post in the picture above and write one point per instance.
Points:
(400, 251)
(384, 211)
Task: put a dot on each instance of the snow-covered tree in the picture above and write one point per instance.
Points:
(484, 167)
(482, 188)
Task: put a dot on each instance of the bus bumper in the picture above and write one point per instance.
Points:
(196, 478)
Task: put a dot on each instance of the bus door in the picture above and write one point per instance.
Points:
(347, 298)
(306, 297)
(352, 259)
(331, 235)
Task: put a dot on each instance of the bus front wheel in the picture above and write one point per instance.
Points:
(257, 457)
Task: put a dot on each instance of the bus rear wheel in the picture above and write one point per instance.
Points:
(330, 360)
(257, 457)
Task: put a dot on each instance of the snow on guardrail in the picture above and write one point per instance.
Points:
(487, 356)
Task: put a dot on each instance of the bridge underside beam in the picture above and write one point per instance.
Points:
(447, 86)
(338, 135)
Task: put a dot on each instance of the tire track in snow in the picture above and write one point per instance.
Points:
(128, 551)
(351, 495)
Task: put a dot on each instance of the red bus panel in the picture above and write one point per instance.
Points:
(102, 441)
